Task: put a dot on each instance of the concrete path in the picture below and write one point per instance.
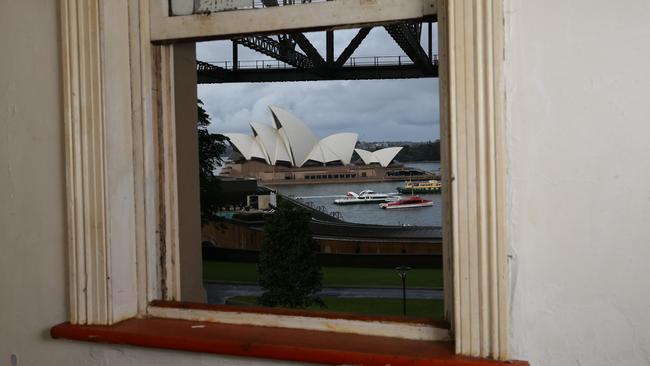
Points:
(219, 292)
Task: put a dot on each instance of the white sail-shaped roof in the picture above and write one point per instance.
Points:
(382, 157)
(257, 152)
(321, 153)
(271, 143)
(247, 146)
(366, 156)
(341, 144)
(386, 156)
(316, 154)
(333, 148)
(296, 135)
(291, 140)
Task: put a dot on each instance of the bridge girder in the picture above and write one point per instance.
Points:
(216, 75)
(281, 51)
(354, 44)
(310, 65)
(407, 36)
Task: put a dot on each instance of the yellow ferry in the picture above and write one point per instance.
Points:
(432, 186)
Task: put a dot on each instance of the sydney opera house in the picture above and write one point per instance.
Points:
(287, 150)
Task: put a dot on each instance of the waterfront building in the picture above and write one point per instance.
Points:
(288, 152)
(289, 141)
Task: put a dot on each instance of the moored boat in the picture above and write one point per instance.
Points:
(409, 202)
(432, 186)
(366, 196)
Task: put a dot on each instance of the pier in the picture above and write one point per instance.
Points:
(340, 242)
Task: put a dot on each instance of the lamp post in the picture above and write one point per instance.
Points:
(401, 272)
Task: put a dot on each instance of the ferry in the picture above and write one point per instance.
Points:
(366, 196)
(432, 186)
(410, 202)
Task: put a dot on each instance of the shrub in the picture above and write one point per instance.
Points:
(288, 270)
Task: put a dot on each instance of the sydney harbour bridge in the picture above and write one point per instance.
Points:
(293, 57)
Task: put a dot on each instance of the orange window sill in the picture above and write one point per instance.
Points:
(271, 343)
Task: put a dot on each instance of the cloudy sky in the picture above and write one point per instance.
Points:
(378, 110)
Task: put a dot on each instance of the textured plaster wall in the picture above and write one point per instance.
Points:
(578, 119)
(32, 213)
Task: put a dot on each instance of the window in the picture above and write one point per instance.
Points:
(228, 93)
(114, 183)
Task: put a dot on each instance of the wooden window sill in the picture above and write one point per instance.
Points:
(271, 343)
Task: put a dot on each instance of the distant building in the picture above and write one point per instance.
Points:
(290, 142)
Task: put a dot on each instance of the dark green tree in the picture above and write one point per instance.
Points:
(288, 270)
(427, 151)
(211, 148)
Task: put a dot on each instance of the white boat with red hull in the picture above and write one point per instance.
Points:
(409, 202)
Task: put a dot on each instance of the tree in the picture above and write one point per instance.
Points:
(211, 147)
(427, 151)
(288, 270)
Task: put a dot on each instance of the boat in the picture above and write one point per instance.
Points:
(409, 202)
(432, 186)
(366, 196)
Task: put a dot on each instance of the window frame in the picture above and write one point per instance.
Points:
(122, 208)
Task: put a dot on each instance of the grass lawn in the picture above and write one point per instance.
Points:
(369, 306)
(332, 276)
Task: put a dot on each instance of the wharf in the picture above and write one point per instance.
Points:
(333, 235)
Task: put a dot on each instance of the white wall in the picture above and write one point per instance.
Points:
(578, 99)
(33, 294)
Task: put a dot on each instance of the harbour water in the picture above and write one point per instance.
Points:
(323, 195)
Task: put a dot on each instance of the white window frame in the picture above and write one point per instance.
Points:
(120, 155)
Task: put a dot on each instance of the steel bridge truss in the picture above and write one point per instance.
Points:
(296, 59)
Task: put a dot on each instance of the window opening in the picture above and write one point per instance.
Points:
(337, 127)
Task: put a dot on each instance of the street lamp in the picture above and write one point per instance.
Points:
(401, 272)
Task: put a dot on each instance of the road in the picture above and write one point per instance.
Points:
(219, 292)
